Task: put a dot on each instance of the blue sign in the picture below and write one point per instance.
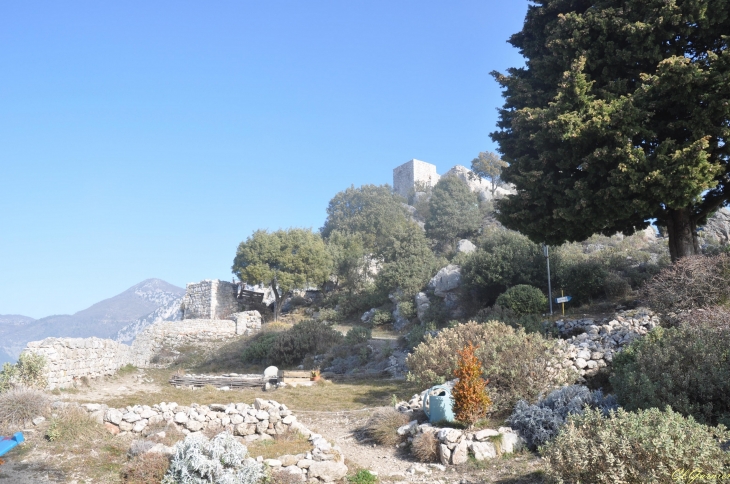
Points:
(563, 299)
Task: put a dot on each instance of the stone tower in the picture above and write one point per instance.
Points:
(406, 176)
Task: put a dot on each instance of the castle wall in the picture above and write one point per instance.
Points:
(407, 175)
(210, 299)
(70, 359)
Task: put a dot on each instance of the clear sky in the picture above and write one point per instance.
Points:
(147, 139)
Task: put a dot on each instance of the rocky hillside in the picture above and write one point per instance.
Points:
(169, 311)
(120, 316)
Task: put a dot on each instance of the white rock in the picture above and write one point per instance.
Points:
(483, 450)
(327, 471)
(181, 417)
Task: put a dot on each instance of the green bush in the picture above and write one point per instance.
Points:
(523, 299)
(686, 368)
(363, 476)
(504, 259)
(259, 348)
(407, 309)
(583, 280)
(531, 323)
(381, 318)
(358, 335)
(303, 339)
(616, 286)
(645, 447)
(27, 372)
(520, 366)
(329, 314)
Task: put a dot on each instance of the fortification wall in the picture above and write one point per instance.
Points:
(210, 299)
(70, 359)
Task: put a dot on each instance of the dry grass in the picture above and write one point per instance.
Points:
(19, 405)
(147, 468)
(425, 447)
(291, 443)
(349, 395)
(383, 424)
(73, 424)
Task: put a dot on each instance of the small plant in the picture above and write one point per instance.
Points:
(471, 401)
(21, 404)
(358, 335)
(425, 447)
(381, 318)
(382, 426)
(648, 446)
(523, 299)
(222, 459)
(149, 468)
(363, 476)
(28, 372)
(541, 422)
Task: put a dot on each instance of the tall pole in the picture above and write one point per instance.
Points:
(546, 252)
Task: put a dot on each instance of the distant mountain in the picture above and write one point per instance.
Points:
(167, 312)
(104, 319)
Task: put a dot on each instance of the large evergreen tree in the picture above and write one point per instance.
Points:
(620, 115)
(453, 212)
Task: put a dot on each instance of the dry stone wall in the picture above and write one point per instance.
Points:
(69, 359)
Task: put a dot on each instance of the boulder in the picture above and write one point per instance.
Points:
(483, 450)
(328, 471)
(460, 454)
(465, 246)
(422, 306)
(445, 280)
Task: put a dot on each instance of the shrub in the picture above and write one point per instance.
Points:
(259, 348)
(27, 372)
(329, 314)
(650, 446)
(407, 309)
(518, 365)
(19, 405)
(531, 323)
(686, 368)
(382, 426)
(615, 286)
(358, 335)
(147, 468)
(381, 318)
(303, 339)
(222, 459)
(583, 280)
(73, 424)
(541, 422)
(712, 317)
(425, 447)
(471, 401)
(504, 259)
(523, 299)
(691, 282)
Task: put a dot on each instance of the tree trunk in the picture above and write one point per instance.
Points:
(277, 299)
(682, 231)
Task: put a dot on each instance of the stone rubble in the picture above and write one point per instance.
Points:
(596, 343)
(262, 420)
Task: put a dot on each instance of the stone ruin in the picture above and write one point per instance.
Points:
(213, 314)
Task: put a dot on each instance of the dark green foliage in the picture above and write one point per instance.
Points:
(504, 259)
(303, 339)
(541, 422)
(583, 280)
(488, 165)
(621, 114)
(410, 263)
(453, 212)
(523, 299)
(687, 368)
(373, 213)
(285, 259)
(259, 348)
(644, 447)
(358, 335)
(531, 323)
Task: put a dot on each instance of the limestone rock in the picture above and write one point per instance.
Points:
(328, 471)
(447, 279)
(465, 246)
(483, 450)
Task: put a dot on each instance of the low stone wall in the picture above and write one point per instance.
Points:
(261, 421)
(70, 359)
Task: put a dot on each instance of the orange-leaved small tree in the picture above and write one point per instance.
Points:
(471, 400)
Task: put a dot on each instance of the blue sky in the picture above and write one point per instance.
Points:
(147, 139)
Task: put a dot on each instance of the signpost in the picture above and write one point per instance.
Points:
(562, 300)
(546, 253)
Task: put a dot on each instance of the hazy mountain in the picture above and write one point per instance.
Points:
(104, 319)
(167, 312)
